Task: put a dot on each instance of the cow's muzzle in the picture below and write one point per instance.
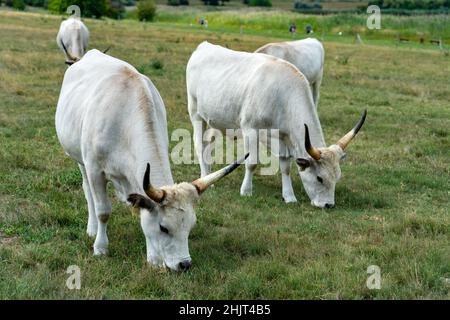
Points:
(184, 265)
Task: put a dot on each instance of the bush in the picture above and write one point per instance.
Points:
(89, 8)
(115, 9)
(298, 5)
(411, 4)
(18, 4)
(260, 3)
(37, 3)
(178, 2)
(146, 10)
(215, 2)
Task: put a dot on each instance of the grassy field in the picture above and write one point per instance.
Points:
(275, 23)
(281, 4)
(392, 204)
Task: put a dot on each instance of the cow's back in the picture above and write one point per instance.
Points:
(307, 55)
(108, 112)
(232, 89)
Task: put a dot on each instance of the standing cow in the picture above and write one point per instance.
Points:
(239, 90)
(112, 121)
(307, 55)
(72, 39)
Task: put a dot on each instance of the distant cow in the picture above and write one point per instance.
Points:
(112, 121)
(250, 91)
(72, 39)
(307, 55)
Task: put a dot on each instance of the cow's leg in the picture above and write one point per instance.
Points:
(316, 90)
(92, 219)
(102, 205)
(200, 145)
(250, 146)
(287, 190)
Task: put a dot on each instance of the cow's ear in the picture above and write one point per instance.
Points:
(303, 163)
(139, 201)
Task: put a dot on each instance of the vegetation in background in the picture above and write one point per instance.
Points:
(301, 5)
(178, 2)
(276, 23)
(411, 4)
(214, 2)
(260, 3)
(146, 10)
(392, 202)
(16, 4)
(88, 8)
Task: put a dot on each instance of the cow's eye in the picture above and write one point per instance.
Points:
(320, 179)
(163, 229)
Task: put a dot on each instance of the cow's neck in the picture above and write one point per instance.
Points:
(297, 134)
(157, 154)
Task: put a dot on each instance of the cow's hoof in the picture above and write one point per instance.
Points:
(91, 231)
(100, 251)
(246, 193)
(290, 199)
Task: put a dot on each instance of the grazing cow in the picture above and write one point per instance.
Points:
(72, 39)
(307, 55)
(112, 121)
(239, 90)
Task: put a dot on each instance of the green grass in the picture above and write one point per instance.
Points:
(274, 22)
(392, 202)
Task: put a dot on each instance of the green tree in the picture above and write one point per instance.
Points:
(18, 4)
(146, 10)
(260, 3)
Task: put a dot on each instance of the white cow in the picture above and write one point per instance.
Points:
(72, 39)
(239, 90)
(307, 55)
(112, 121)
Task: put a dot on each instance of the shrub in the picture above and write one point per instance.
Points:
(411, 4)
(298, 5)
(260, 3)
(18, 4)
(146, 10)
(89, 8)
(115, 9)
(178, 2)
(37, 3)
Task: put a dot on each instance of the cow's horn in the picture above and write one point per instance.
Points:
(313, 152)
(107, 49)
(345, 140)
(73, 59)
(203, 183)
(155, 194)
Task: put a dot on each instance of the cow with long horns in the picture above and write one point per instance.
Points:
(308, 55)
(72, 39)
(250, 91)
(112, 121)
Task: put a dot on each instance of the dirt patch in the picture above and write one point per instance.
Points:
(4, 240)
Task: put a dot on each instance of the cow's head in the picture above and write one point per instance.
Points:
(168, 216)
(71, 58)
(321, 171)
